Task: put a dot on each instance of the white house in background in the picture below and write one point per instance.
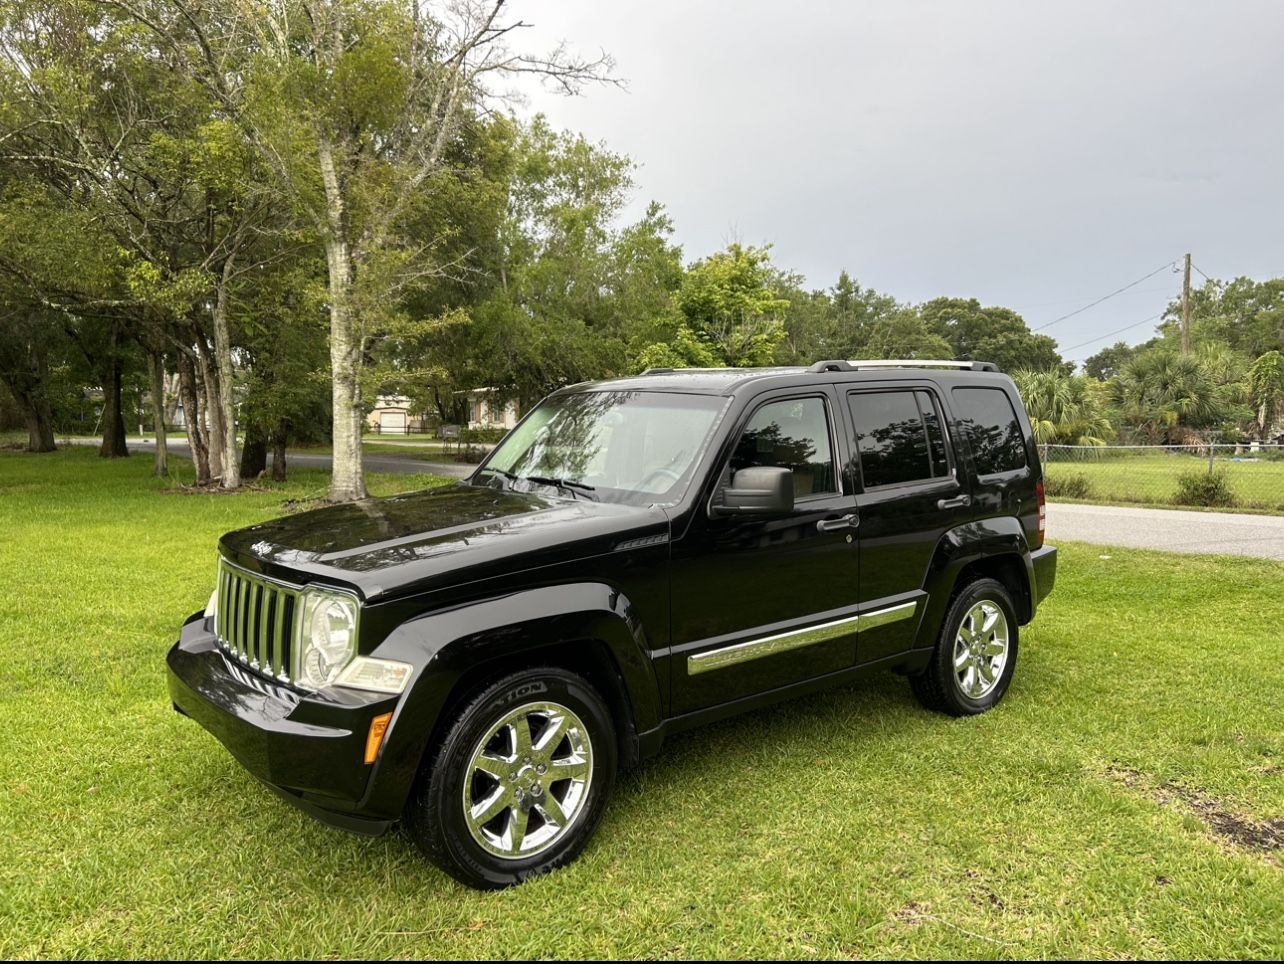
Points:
(392, 416)
(486, 410)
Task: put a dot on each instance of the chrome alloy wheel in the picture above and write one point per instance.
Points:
(528, 780)
(981, 649)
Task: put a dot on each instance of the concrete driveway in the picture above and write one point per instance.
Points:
(1172, 530)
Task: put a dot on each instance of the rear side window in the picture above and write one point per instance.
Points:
(791, 434)
(989, 421)
(898, 437)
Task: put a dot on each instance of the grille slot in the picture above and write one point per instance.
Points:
(255, 620)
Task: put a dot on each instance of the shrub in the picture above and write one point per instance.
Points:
(1204, 488)
(472, 436)
(1069, 485)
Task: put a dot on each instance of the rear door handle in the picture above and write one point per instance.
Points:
(958, 502)
(849, 521)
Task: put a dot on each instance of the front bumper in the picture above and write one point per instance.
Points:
(309, 748)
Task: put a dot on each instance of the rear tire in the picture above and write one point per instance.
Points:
(975, 655)
(520, 781)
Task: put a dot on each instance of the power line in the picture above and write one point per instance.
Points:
(1117, 331)
(1201, 271)
(1076, 300)
(1106, 297)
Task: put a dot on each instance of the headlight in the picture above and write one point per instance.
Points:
(326, 638)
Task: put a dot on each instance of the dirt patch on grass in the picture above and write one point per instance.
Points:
(913, 914)
(1247, 833)
(213, 488)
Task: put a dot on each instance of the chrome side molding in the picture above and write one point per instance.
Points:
(796, 638)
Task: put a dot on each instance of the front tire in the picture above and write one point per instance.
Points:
(975, 654)
(520, 781)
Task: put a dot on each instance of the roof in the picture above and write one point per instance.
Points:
(726, 381)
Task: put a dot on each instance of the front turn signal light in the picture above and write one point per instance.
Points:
(374, 740)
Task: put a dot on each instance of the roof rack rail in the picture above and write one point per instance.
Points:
(842, 365)
(658, 371)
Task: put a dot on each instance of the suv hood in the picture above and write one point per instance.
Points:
(435, 538)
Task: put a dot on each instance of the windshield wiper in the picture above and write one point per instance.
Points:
(566, 484)
(503, 472)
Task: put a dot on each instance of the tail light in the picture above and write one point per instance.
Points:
(1043, 514)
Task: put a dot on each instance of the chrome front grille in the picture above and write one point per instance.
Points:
(254, 620)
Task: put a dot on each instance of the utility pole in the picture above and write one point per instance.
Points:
(1185, 310)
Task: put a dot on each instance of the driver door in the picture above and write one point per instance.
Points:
(760, 602)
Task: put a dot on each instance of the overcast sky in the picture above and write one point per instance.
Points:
(1033, 155)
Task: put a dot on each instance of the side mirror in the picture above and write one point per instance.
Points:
(760, 490)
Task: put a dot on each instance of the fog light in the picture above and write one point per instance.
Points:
(374, 740)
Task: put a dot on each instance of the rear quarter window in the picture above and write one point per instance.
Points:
(988, 421)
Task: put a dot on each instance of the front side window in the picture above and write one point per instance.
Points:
(634, 447)
(993, 431)
(791, 434)
(898, 437)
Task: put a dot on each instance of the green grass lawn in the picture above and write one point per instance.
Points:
(1151, 478)
(1117, 804)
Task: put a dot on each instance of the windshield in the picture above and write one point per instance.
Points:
(635, 447)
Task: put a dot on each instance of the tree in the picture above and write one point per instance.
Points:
(562, 291)
(1108, 362)
(992, 334)
(729, 302)
(903, 334)
(1065, 409)
(355, 106)
(1160, 392)
(102, 120)
(686, 350)
(1244, 314)
(1266, 387)
(62, 280)
(25, 338)
(832, 323)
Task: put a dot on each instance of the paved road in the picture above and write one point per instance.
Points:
(1172, 530)
(397, 464)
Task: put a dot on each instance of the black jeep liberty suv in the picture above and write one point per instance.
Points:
(636, 557)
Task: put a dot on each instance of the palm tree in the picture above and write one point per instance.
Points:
(1266, 388)
(1065, 409)
(1158, 391)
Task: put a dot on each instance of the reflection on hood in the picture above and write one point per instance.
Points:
(435, 535)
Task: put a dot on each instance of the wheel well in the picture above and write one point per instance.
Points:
(1008, 570)
(589, 658)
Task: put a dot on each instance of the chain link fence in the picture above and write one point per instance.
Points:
(1245, 476)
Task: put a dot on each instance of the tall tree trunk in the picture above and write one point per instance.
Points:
(26, 376)
(192, 417)
(254, 452)
(279, 438)
(156, 368)
(113, 446)
(213, 410)
(172, 399)
(39, 418)
(347, 480)
(226, 380)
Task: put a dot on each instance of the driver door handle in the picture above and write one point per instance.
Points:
(849, 521)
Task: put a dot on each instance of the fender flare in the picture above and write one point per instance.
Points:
(960, 546)
(445, 646)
